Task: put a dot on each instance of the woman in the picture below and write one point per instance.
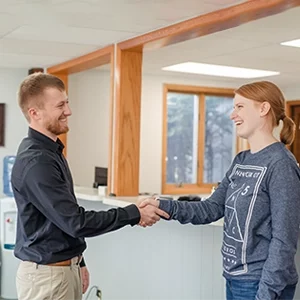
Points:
(259, 199)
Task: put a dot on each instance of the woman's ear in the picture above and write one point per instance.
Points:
(264, 108)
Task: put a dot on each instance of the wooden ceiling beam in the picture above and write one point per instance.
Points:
(209, 23)
(85, 62)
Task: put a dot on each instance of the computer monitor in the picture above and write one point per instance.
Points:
(100, 177)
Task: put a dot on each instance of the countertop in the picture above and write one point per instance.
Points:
(91, 194)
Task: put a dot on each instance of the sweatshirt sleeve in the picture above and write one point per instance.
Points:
(49, 193)
(284, 193)
(200, 212)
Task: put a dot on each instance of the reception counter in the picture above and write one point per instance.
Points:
(167, 261)
(92, 194)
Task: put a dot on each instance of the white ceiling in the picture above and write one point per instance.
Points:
(40, 33)
(253, 45)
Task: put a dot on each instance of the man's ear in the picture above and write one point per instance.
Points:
(34, 113)
(264, 108)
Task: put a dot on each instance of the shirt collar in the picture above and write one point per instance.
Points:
(46, 141)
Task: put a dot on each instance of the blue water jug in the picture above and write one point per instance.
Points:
(8, 163)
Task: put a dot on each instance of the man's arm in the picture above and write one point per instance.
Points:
(284, 192)
(50, 194)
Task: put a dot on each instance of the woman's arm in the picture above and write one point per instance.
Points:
(199, 212)
(284, 193)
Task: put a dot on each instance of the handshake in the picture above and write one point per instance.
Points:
(150, 213)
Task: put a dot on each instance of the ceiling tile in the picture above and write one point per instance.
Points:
(146, 15)
(249, 61)
(86, 6)
(224, 3)
(274, 29)
(197, 49)
(66, 34)
(28, 61)
(44, 48)
(7, 24)
(139, 24)
(276, 54)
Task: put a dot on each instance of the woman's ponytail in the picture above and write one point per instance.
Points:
(287, 133)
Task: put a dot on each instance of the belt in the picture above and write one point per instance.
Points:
(69, 262)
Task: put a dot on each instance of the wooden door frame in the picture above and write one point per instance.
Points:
(288, 111)
(289, 106)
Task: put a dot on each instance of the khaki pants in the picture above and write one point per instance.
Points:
(40, 282)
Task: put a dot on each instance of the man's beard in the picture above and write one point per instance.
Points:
(56, 128)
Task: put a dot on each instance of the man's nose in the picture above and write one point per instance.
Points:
(68, 111)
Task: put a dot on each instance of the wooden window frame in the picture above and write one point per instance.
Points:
(199, 187)
(289, 107)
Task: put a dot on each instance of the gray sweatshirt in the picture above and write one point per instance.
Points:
(259, 199)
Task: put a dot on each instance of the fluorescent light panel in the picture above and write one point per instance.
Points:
(293, 43)
(217, 70)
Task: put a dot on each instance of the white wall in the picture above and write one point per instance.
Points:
(89, 124)
(88, 139)
(292, 93)
(15, 124)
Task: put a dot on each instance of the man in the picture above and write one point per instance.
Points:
(51, 225)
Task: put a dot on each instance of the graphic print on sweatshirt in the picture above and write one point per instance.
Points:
(241, 196)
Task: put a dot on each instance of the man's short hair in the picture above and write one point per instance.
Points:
(33, 86)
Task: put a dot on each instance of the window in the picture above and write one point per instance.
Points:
(198, 139)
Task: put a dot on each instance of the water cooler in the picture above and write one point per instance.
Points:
(9, 263)
(8, 220)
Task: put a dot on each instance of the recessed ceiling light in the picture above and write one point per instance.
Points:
(217, 70)
(293, 43)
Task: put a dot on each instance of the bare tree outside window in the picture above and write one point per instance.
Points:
(184, 122)
(182, 131)
(218, 137)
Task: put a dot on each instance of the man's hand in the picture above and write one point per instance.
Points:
(149, 201)
(85, 279)
(150, 213)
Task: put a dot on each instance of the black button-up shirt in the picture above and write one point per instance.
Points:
(51, 226)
